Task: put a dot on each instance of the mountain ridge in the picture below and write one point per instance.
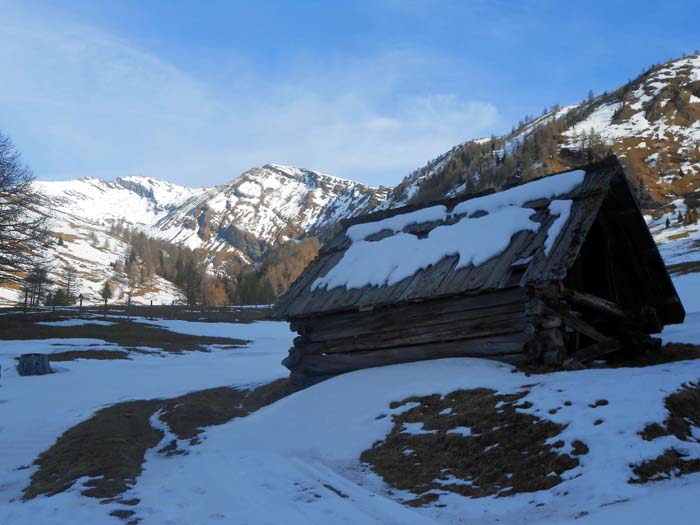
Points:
(652, 123)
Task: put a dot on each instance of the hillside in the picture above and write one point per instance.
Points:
(652, 123)
(243, 221)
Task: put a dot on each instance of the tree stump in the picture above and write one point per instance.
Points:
(34, 365)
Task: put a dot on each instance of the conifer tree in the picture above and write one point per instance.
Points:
(106, 292)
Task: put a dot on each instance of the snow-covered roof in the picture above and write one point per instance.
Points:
(529, 234)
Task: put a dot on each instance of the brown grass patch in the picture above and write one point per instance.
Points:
(184, 313)
(130, 335)
(144, 290)
(72, 355)
(67, 237)
(678, 236)
(505, 453)
(110, 446)
(684, 413)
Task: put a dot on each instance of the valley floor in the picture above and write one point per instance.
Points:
(298, 459)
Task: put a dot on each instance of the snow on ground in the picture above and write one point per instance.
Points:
(296, 461)
(288, 462)
(688, 287)
(34, 411)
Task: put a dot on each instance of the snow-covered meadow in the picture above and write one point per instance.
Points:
(297, 460)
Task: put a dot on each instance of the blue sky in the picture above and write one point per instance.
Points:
(198, 91)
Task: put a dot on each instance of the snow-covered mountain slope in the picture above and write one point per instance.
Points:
(137, 200)
(265, 206)
(241, 219)
(90, 249)
(652, 123)
(259, 208)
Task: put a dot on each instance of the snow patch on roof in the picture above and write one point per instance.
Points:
(474, 239)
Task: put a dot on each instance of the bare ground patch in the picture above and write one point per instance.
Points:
(110, 447)
(129, 335)
(684, 415)
(471, 442)
(72, 355)
(669, 353)
(204, 314)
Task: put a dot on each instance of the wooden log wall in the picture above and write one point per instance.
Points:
(516, 325)
(496, 325)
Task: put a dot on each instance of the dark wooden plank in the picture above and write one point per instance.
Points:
(380, 317)
(592, 352)
(418, 320)
(339, 363)
(384, 295)
(568, 244)
(418, 335)
(597, 304)
(451, 283)
(426, 283)
(502, 269)
(577, 324)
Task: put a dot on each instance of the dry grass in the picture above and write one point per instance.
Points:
(684, 413)
(143, 291)
(506, 452)
(110, 447)
(129, 335)
(67, 237)
(678, 236)
(102, 355)
(179, 312)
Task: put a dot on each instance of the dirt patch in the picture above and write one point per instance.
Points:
(129, 335)
(72, 355)
(188, 415)
(669, 464)
(472, 442)
(110, 447)
(669, 353)
(684, 414)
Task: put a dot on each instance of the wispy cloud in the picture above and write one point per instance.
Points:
(81, 102)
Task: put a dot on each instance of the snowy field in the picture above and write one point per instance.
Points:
(297, 460)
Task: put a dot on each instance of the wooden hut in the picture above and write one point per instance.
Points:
(561, 269)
